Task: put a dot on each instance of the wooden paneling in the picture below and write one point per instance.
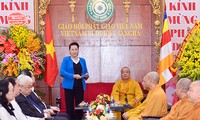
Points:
(105, 55)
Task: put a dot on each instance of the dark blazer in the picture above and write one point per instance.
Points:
(37, 100)
(27, 108)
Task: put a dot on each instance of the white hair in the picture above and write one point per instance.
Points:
(23, 79)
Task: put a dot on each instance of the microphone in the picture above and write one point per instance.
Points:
(126, 99)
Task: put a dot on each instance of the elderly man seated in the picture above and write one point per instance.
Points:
(194, 97)
(31, 106)
(34, 95)
(126, 91)
(180, 110)
(17, 110)
(156, 102)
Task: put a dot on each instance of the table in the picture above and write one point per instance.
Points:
(84, 108)
(118, 108)
(113, 108)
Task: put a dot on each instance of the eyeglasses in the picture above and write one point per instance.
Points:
(27, 87)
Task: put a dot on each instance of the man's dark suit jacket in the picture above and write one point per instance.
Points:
(37, 100)
(27, 108)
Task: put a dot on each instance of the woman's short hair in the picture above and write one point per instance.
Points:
(73, 43)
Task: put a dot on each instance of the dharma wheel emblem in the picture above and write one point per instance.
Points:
(100, 10)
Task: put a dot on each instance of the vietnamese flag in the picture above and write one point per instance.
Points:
(51, 66)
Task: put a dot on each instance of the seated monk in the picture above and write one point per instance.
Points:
(126, 90)
(180, 110)
(156, 102)
(194, 97)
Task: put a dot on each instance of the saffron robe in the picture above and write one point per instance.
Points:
(154, 105)
(130, 89)
(180, 110)
(195, 112)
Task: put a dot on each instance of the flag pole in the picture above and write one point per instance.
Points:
(50, 95)
(164, 10)
(164, 6)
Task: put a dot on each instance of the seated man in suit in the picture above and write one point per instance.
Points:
(156, 102)
(34, 94)
(126, 91)
(23, 99)
(17, 110)
(29, 104)
(180, 110)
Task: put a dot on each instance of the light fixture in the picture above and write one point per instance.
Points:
(72, 7)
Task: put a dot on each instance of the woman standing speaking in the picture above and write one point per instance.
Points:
(74, 72)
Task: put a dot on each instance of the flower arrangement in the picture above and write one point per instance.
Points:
(103, 99)
(98, 107)
(189, 62)
(98, 113)
(21, 48)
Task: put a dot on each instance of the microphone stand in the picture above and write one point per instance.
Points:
(126, 99)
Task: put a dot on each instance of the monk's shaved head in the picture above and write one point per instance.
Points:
(154, 76)
(194, 92)
(125, 68)
(182, 87)
(197, 83)
(184, 83)
(150, 80)
(125, 73)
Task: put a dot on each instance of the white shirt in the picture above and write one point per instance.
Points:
(75, 61)
(4, 115)
(18, 112)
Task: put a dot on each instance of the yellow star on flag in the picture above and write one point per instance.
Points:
(50, 49)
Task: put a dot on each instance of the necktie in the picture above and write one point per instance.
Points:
(34, 104)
